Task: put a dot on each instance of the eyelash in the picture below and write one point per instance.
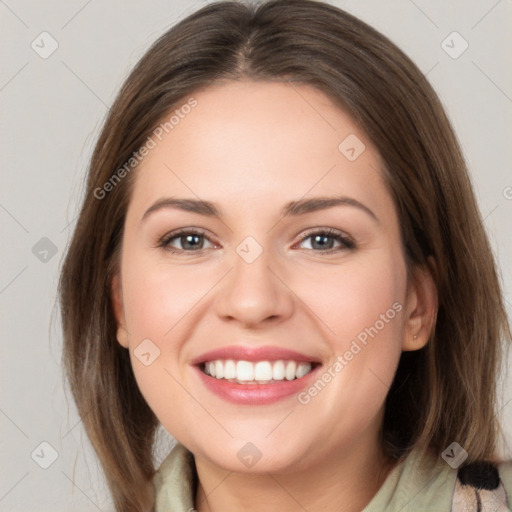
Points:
(346, 241)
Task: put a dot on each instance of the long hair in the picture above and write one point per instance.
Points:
(445, 392)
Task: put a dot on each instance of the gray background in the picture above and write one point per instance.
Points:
(52, 109)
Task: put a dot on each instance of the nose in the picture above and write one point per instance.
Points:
(255, 294)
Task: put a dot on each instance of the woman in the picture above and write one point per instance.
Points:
(280, 259)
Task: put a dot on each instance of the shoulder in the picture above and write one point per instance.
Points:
(505, 472)
(482, 485)
(424, 481)
(420, 481)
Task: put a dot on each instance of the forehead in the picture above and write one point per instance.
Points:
(253, 140)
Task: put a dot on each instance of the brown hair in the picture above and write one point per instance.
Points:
(442, 393)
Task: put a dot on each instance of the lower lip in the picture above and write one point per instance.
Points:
(256, 394)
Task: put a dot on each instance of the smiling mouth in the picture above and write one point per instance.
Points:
(260, 372)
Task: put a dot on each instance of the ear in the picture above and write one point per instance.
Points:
(421, 310)
(117, 304)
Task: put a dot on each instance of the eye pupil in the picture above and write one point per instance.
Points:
(321, 240)
(188, 239)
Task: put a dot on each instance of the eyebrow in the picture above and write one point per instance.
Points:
(291, 209)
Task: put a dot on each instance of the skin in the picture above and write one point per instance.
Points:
(250, 148)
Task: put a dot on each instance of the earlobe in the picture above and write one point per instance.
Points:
(117, 305)
(421, 310)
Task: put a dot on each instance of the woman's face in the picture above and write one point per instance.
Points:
(262, 273)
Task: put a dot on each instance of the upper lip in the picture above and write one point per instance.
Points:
(243, 353)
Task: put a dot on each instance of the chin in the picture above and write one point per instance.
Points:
(257, 456)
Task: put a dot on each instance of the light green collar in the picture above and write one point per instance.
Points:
(417, 483)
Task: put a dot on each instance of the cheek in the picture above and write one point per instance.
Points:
(158, 297)
(160, 304)
(355, 298)
(155, 305)
(361, 308)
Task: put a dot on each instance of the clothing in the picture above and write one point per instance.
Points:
(416, 484)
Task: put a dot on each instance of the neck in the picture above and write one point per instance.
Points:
(343, 482)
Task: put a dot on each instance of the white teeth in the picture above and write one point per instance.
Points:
(230, 370)
(262, 372)
(291, 368)
(244, 370)
(219, 369)
(302, 369)
(278, 371)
